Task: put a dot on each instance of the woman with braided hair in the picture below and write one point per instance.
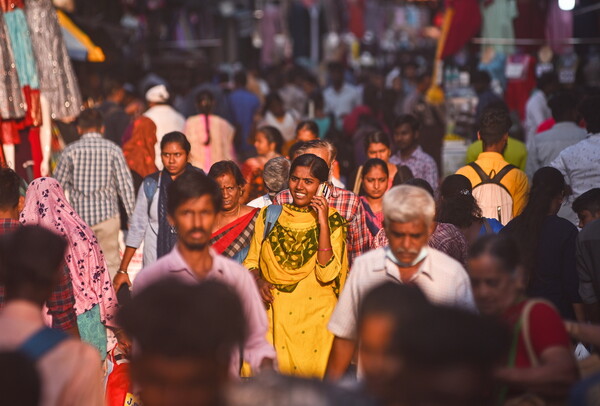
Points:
(211, 136)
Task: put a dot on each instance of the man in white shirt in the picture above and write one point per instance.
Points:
(580, 163)
(544, 147)
(536, 109)
(408, 212)
(166, 118)
(340, 98)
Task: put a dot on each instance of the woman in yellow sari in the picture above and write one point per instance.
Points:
(299, 259)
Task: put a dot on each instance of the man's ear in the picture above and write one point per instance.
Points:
(478, 135)
(21, 204)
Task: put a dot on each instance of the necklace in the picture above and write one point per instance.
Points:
(237, 214)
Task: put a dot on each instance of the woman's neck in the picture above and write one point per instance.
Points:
(376, 204)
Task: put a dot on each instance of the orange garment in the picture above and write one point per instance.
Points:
(139, 150)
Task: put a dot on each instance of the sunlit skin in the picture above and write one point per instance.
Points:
(303, 188)
(375, 183)
(262, 145)
(174, 159)
(231, 193)
(407, 239)
(194, 220)
(494, 289)
(586, 217)
(381, 151)
(167, 381)
(406, 139)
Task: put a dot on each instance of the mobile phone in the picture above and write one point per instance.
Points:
(323, 190)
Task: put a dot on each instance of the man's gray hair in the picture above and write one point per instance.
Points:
(316, 144)
(276, 174)
(405, 203)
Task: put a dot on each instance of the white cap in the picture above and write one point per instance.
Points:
(157, 94)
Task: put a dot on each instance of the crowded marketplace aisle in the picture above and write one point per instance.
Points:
(300, 202)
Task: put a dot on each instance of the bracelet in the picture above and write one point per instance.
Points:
(324, 249)
(121, 271)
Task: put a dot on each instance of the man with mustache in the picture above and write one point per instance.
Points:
(192, 207)
(408, 221)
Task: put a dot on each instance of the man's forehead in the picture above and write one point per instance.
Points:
(320, 152)
(413, 225)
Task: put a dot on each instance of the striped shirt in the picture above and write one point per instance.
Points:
(94, 173)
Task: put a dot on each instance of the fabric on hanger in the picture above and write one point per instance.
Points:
(56, 76)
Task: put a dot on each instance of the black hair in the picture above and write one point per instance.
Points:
(221, 168)
(375, 163)
(177, 137)
(456, 205)
(547, 184)
(336, 67)
(444, 336)
(191, 185)
(373, 98)
(209, 320)
(562, 104)
(18, 268)
(481, 77)
(308, 125)
(494, 124)
(589, 201)
(10, 183)
(205, 101)
(377, 137)
(407, 119)
(20, 382)
(501, 247)
(589, 109)
(318, 167)
(240, 78)
(399, 301)
(272, 134)
(404, 175)
(422, 183)
(271, 98)
(297, 146)
(90, 119)
(547, 79)
(318, 99)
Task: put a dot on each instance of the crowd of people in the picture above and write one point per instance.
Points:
(301, 233)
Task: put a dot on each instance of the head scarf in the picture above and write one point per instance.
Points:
(46, 205)
(139, 149)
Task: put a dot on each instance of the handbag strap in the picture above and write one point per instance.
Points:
(525, 315)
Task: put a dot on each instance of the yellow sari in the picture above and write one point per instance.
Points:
(306, 292)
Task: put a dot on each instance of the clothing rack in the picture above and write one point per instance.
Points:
(533, 41)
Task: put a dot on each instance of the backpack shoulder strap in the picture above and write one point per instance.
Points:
(36, 346)
(482, 175)
(272, 215)
(498, 178)
(487, 226)
(150, 186)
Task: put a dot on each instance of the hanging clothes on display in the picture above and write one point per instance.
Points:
(520, 72)
(465, 24)
(498, 16)
(530, 22)
(24, 59)
(306, 24)
(12, 104)
(559, 26)
(57, 78)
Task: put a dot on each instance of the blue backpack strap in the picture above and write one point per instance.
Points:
(272, 215)
(36, 346)
(150, 186)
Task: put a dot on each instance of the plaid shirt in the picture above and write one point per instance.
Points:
(61, 303)
(349, 207)
(94, 173)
